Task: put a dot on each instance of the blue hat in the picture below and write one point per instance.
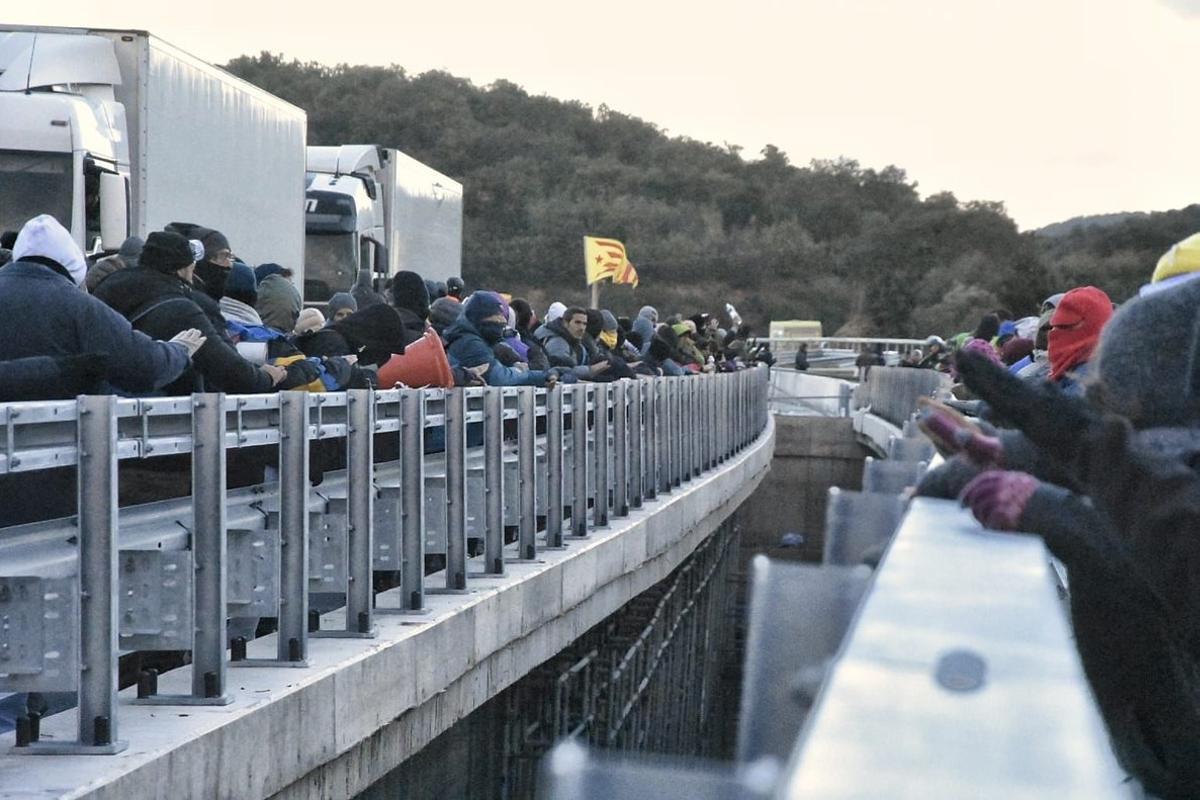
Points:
(241, 284)
(482, 305)
(1008, 328)
(262, 271)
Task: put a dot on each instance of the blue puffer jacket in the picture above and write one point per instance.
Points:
(467, 349)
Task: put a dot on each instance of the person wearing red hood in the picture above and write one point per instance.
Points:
(1074, 333)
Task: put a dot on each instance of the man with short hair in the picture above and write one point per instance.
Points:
(563, 341)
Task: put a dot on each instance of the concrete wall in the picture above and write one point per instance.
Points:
(364, 706)
(811, 455)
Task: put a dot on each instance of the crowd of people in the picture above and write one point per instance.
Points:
(180, 313)
(1088, 434)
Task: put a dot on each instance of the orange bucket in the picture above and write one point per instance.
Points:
(423, 363)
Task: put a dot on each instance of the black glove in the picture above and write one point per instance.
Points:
(1056, 422)
(339, 369)
(300, 373)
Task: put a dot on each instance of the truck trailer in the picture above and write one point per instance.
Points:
(375, 208)
(116, 132)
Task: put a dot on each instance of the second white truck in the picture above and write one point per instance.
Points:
(370, 207)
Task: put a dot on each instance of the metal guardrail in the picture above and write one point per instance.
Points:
(857, 343)
(167, 575)
(926, 657)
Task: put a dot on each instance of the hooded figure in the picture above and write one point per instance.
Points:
(42, 240)
(341, 305)
(279, 300)
(988, 328)
(1075, 331)
(647, 318)
(363, 291)
(411, 299)
(442, 314)
(472, 340)
(526, 324)
(127, 256)
(43, 313)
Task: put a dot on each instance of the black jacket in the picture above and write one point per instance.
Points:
(161, 305)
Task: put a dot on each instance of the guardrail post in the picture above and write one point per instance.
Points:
(526, 469)
(600, 432)
(620, 395)
(97, 508)
(360, 509)
(293, 526)
(686, 426)
(579, 454)
(711, 422)
(637, 444)
(209, 547)
(554, 466)
(694, 423)
(456, 489)
(662, 428)
(675, 395)
(493, 481)
(651, 421)
(412, 493)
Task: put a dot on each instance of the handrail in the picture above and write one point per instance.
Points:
(958, 675)
(165, 576)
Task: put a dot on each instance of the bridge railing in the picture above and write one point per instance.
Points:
(495, 473)
(949, 670)
(924, 657)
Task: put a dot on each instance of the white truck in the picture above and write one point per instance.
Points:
(116, 132)
(371, 207)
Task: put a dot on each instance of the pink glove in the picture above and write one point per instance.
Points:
(953, 435)
(998, 498)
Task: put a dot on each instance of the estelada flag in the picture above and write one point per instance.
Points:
(605, 258)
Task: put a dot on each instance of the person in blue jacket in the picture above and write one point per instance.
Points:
(44, 312)
(472, 337)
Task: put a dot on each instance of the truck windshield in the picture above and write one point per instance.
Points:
(330, 265)
(32, 184)
(330, 250)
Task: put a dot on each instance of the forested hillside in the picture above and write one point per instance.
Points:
(856, 248)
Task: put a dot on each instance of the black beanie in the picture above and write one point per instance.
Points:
(409, 292)
(166, 251)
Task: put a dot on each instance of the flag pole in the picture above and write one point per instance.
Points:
(596, 295)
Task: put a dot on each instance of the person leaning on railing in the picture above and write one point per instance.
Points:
(157, 298)
(1110, 484)
(57, 342)
(473, 336)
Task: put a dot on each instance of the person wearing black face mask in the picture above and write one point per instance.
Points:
(472, 339)
(214, 268)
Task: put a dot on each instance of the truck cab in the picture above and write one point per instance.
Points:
(62, 148)
(343, 219)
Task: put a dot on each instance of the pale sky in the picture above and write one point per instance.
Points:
(1055, 107)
